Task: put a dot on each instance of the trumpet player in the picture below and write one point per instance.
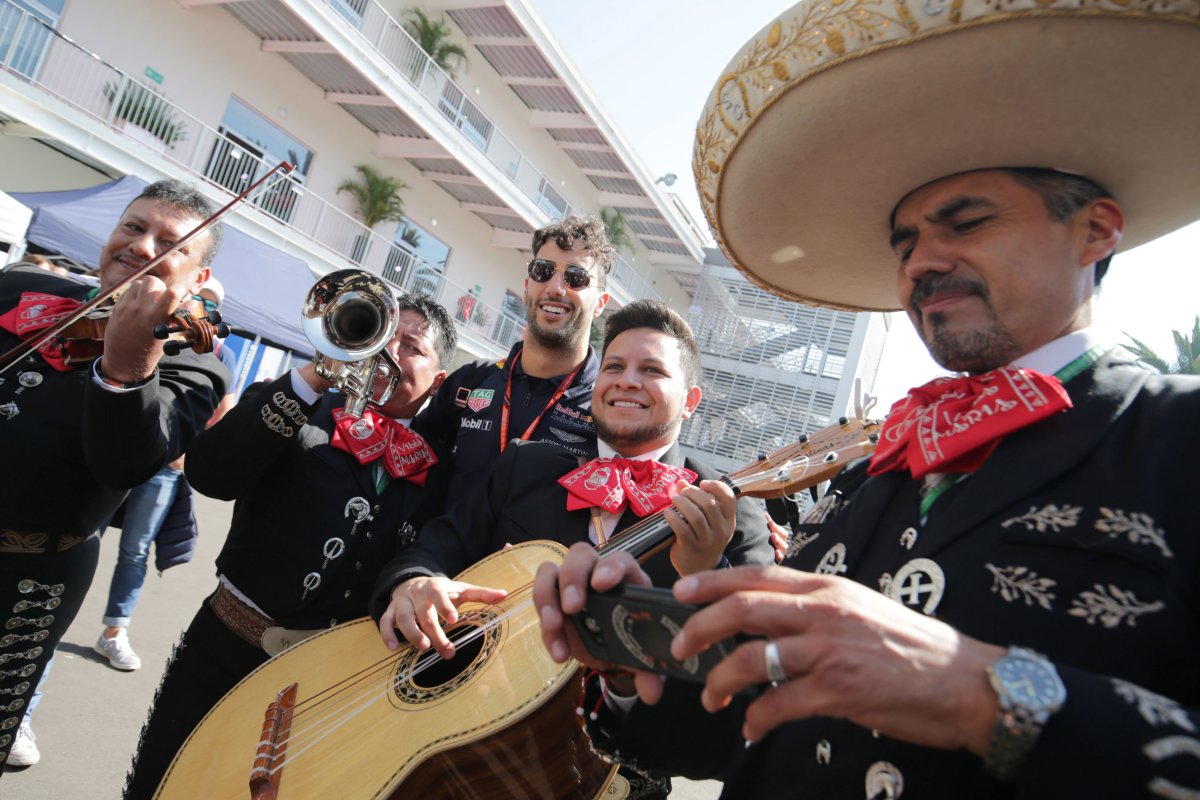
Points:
(81, 422)
(323, 498)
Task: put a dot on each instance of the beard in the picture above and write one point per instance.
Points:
(971, 351)
(566, 336)
(627, 436)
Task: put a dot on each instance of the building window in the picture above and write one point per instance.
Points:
(23, 41)
(350, 10)
(248, 147)
(417, 260)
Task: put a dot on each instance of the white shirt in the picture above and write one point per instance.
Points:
(609, 520)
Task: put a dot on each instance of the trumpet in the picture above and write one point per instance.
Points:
(350, 316)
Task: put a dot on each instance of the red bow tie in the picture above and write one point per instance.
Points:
(405, 454)
(35, 312)
(613, 483)
(954, 424)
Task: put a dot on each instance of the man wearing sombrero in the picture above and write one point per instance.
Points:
(1005, 601)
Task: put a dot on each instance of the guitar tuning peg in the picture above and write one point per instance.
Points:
(762, 456)
(803, 439)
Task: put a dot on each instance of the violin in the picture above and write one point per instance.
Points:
(95, 312)
(83, 339)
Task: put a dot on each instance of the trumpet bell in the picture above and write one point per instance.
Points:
(349, 315)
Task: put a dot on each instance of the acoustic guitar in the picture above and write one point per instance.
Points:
(339, 716)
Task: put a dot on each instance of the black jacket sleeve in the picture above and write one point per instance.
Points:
(130, 435)
(229, 459)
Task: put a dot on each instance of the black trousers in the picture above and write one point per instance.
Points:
(40, 594)
(208, 661)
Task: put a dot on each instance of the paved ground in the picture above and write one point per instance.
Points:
(88, 722)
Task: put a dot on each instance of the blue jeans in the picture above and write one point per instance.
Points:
(145, 510)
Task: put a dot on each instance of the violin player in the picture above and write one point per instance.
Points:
(81, 423)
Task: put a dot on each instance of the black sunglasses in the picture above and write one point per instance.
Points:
(576, 277)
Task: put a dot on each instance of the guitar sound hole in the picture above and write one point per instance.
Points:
(440, 670)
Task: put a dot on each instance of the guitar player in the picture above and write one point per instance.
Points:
(645, 388)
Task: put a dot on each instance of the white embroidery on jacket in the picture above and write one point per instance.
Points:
(1138, 527)
(1022, 583)
(1110, 606)
(1154, 708)
(1049, 518)
(1168, 747)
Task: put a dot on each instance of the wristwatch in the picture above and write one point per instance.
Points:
(1029, 691)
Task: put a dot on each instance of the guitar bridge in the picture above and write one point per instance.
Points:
(272, 746)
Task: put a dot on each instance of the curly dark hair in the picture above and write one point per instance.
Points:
(445, 336)
(187, 198)
(589, 230)
(658, 316)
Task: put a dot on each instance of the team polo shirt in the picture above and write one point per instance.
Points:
(468, 406)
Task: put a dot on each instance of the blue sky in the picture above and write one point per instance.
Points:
(651, 64)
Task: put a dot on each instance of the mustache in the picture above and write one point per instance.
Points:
(928, 287)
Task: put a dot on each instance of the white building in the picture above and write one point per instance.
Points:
(215, 91)
(772, 369)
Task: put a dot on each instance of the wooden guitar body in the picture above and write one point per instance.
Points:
(498, 721)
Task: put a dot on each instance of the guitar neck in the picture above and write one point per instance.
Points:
(641, 540)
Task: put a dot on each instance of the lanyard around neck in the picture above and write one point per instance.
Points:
(504, 412)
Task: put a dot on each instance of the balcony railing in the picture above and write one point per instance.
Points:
(386, 36)
(40, 56)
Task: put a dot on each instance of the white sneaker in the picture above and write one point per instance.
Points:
(24, 751)
(117, 650)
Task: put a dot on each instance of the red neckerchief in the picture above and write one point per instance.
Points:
(405, 454)
(558, 393)
(612, 483)
(35, 312)
(954, 424)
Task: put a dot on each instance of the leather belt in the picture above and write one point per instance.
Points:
(251, 626)
(33, 543)
(239, 617)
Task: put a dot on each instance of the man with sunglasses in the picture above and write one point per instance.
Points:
(542, 390)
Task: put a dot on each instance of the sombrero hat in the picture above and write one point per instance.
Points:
(839, 108)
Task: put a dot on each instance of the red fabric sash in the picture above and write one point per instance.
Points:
(34, 313)
(613, 483)
(954, 424)
(405, 454)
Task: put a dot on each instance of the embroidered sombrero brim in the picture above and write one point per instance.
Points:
(839, 108)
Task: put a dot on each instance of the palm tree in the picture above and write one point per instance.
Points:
(378, 198)
(1187, 361)
(433, 36)
(618, 231)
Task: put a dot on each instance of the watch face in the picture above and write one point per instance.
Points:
(1029, 682)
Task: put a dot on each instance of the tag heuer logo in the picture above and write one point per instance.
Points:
(480, 399)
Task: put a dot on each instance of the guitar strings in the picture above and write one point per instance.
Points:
(629, 539)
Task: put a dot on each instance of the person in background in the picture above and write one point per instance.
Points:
(145, 510)
(542, 390)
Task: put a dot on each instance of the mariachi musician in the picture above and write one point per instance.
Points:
(81, 422)
(326, 488)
